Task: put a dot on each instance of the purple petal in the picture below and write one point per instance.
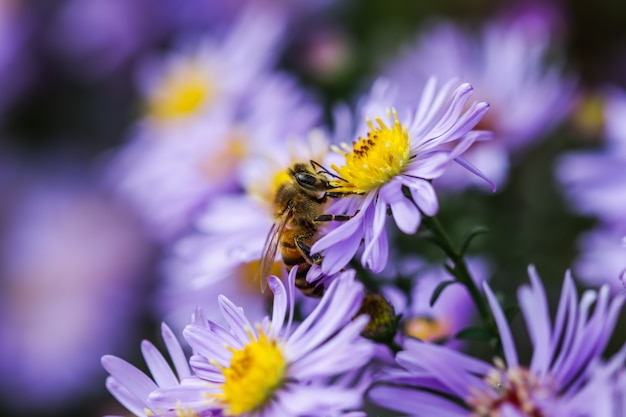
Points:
(534, 307)
(340, 302)
(449, 367)
(404, 212)
(237, 321)
(352, 227)
(335, 259)
(424, 196)
(406, 215)
(510, 354)
(312, 400)
(447, 121)
(428, 165)
(468, 140)
(159, 368)
(280, 302)
(176, 352)
(466, 122)
(206, 370)
(193, 393)
(428, 94)
(129, 400)
(205, 343)
(565, 324)
(340, 354)
(415, 403)
(375, 237)
(130, 377)
(471, 168)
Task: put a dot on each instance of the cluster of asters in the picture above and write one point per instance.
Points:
(596, 186)
(205, 164)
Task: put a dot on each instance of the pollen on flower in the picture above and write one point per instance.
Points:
(185, 412)
(182, 90)
(255, 372)
(517, 388)
(375, 159)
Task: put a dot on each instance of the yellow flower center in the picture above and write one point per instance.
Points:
(254, 374)
(427, 329)
(248, 276)
(375, 159)
(180, 93)
(589, 114)
(218, 163)
(266, 191)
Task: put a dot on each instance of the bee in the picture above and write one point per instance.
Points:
(298, 211)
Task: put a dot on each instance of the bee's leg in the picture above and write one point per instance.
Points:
(335, 217)
(305, 250)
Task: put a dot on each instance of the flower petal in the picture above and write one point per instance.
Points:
(508, 346)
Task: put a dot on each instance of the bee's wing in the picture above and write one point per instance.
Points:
(270, 248)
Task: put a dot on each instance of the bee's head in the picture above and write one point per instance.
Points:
(308, 179)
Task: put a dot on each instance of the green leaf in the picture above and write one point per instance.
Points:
(451, 269)
(511, 311)
(477, 231)
(474, 333)
(439, 289)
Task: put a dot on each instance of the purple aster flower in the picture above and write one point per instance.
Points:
(436, 380)
(272, 368)
(595, 181)
(209, 108)
(97, 37)
(602, 258)
(131, 387)
(506, 65)
(403, 152)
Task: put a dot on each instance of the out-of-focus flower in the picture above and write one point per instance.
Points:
(595, 181)
(210, 73)
(97, 37)
(326, 53)
(208, 108)
(131, 387)
(453, 311)
(71, 260)
(439, 381)
(506, 65)
(400, 154)
(602, 257)
(270, 368)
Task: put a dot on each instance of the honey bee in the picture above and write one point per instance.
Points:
(298, 211)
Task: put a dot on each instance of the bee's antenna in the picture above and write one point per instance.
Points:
(324, 170)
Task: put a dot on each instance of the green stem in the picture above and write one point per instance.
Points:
(461, 272)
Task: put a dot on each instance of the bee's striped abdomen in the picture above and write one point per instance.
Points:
(292, 256)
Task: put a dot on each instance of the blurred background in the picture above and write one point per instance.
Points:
(90, 207)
